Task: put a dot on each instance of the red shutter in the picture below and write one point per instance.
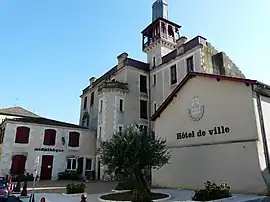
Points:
(22, 135)
(74, 139)
(49, 137)
(18, 164)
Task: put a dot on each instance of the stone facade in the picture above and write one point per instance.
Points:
(165, 49)
(227, 142)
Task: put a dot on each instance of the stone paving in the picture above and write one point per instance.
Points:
(52, 191)
(177, 196)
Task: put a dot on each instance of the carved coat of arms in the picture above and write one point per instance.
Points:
(196, 111)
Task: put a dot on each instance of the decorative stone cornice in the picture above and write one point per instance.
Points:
(113, 86)
(161, 41)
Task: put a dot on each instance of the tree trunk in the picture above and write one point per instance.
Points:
(142, 185)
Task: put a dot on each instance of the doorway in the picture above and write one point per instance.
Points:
(46, 167)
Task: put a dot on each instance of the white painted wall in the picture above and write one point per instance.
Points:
(231, 157)
(86, 149)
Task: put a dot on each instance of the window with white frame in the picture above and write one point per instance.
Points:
(121, 105)
(154, 61)
(71, 164)
(101, 106)
(154, 79)
(100, 133)
(154, 107)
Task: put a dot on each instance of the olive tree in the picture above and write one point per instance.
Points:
(131, 151)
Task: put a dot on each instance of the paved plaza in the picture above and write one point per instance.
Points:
(52, 191)
(177, 196)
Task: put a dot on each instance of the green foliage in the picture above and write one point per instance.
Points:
(212, 192)
(131, 150)
(27, 177)
(69, 175)
(75, 188)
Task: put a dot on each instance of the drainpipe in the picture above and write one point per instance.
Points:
(149, 105)
(265, 146)
(149, 117)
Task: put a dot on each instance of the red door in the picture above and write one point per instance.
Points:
(46, 167)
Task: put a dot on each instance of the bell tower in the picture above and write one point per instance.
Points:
(159, 38)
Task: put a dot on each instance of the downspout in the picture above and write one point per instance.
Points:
(149, 118)
(265, 146)
(149, 105)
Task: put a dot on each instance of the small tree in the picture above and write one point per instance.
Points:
(131, 151)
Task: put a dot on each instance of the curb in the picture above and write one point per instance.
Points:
(218, 200)
(79, 194)
(157, 200)
(120, 191)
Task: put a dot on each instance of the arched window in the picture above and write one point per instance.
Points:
(170, 31)
(163, 28)
(18, 164)
(74, 139)
(49, 137)
(22, 135)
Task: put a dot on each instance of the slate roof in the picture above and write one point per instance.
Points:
(17, 111)
(45, 121)
(173, 94)
(128, 62)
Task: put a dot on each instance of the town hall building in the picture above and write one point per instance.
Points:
(132, 90)
(217, 129)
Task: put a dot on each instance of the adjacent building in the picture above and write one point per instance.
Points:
(60, 146)
(218, 129)
(132, 90)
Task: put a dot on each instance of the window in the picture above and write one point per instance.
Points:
(92, 98)
(88, 164)
(120, 129)
(143, 109)
(100, 131)
(85, 119)
(121, 105)
(143, 84)
(190, 65)
(163, 28)
(143, 129)
(101, 105)
(74, 139)
(49, 137)
(71, 164)
(18, 164)
(173, 75)
(85, 103)
(154, 79)
(155, 107)
(22, 135)
(170, 31)
(154, 61)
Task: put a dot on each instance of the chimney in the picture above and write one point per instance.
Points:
(92, 80)
(121, 59)
(180, 44)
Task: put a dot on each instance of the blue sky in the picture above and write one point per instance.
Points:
(50, 48)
